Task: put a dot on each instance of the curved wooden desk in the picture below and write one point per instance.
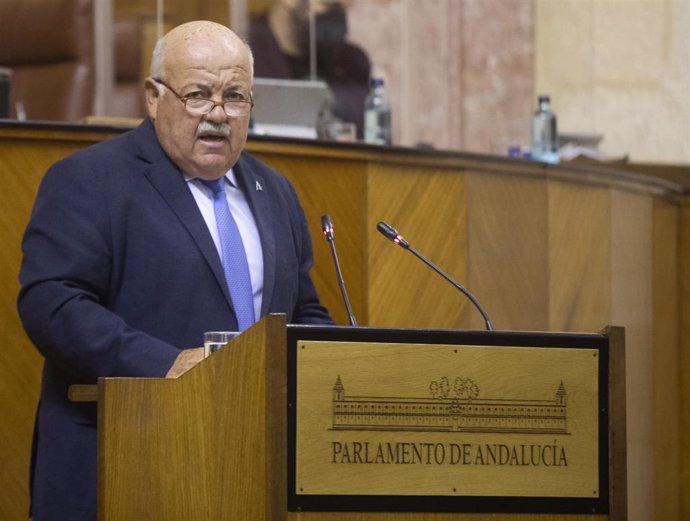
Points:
(544, 248)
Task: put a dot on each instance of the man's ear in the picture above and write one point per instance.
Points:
(152, 95)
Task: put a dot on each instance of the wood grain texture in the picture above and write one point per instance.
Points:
(427, 207)
(24, 157)
(203, 446)
(618, 449)
(507, 251)
(631, 307)
(519, 235)
(419, 516)
(579, 268)
(684, 357)
(666, 375)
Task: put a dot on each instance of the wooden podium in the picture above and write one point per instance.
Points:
(210, 445)
(326, 423)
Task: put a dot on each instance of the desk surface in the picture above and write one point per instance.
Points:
(656, 179)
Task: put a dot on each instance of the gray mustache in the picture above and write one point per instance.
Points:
(210, 127)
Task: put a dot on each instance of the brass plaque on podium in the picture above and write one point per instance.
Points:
(441, 420)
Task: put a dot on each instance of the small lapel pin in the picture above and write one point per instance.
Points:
(259, 188)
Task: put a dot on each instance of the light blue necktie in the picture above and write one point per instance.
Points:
(234, 257)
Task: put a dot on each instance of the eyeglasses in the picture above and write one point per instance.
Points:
(203, 106)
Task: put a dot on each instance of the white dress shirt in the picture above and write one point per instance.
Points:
(245, 223)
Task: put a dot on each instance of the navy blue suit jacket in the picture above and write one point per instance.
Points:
(119, 274)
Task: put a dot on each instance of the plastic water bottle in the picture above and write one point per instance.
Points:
(544, 132)
(377, 115)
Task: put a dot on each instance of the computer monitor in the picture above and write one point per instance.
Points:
(287, 107)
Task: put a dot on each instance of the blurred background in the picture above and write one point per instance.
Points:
(460, 74)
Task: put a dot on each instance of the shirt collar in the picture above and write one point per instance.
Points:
(230, 176)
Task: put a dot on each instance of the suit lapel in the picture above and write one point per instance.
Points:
(259, 199)
(169, 182)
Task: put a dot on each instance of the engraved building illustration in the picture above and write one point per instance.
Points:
(458, 409)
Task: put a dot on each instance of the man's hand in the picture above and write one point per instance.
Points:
(187, 359)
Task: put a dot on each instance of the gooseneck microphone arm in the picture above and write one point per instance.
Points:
(392, 234)
(327, 228)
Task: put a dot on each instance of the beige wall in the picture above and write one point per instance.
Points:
(463, 74)
(620, 68)
(459, 72)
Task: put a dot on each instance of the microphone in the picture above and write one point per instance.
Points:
(327, 228)
(392, 234)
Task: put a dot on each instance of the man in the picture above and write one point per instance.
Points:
(280, 42)
(123, 258)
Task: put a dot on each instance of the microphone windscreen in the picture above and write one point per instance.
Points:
(327, 225)
(387, 230)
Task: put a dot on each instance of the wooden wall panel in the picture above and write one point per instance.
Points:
(508, 250)
(328, 186)
(373, 516)
(427, 207)
(666, 398)
(563, 248)
(171, 448)
(631, 307)
(579, 257)
(22, 164)
(684, 357)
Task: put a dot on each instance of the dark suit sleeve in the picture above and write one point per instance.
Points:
(308, 309)
(65, 276)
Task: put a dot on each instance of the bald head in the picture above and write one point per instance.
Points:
(201, 61)
(194, 37)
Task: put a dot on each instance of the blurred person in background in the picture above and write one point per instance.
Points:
(280, 42)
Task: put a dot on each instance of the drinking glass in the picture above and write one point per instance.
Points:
(214, 340)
